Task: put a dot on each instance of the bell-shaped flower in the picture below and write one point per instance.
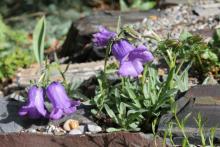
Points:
(142, 54)
(132, 64)
(62, 104)
(121, 48)
(101, 38)
(35, 106)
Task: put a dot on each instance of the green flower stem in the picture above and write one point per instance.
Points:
(123, 83)
(181, 128)
(144, 75)
(200, 62)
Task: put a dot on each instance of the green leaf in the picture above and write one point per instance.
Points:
(184, 35)
(119, 25)
(210, 55)
(122, 108)
(132, 96)
(111, 113)
(147, 6)
(114, 129)
(136, 3)
(123, 6)
(38, 40)
(186, 118)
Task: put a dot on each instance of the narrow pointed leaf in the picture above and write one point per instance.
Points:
(38, 40)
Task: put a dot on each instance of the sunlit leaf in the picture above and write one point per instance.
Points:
(38, 40)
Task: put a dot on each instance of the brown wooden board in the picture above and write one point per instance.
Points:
(119, 139)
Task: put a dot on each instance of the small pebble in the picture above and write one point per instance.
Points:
(59, 131)
(31, 130)
(1, 94)
(50, 129)
(75, 132)
(94, 128)
(70, 124)
(82, 128)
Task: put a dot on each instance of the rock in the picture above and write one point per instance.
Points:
(71, 124)
(94, 128)
(201, 99)
(50, 129)
(1, 95)
(75, 73)
(75, 132)
(207, 10)
(31, 130)
(83, 128)
(59, 131)
(10, 121)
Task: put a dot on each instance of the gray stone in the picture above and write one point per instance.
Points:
(31, 130)
(94, 128)
(75, 132)
(10, 121)
(207, 10)
(1, 94)
(203, 100)
(83, 128)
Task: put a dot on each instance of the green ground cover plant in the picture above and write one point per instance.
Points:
(14, 52)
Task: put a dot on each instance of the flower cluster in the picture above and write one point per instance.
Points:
(56, 94)
(131, 58)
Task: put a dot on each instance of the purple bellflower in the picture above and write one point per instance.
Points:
(62, 104)
(121, 48)
(101, 38)
(35, 106)
(131, 59)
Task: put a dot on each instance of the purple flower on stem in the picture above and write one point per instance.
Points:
(121, 48)
(131, 59)
(101, 38)
(62, 104)
(35, 106)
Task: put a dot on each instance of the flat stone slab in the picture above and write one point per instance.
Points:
(75, 72)
(10, 121)
(118, 139)
(203, 99)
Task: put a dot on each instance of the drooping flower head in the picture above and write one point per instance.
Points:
(35, 106)
(101, 38)
(131, 59)
(62, 104)
(121, 48)
(132, 65)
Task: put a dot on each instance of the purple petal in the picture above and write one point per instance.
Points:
(121, 48)
(57, 95)
(56, 113)
(70, 110)
(130, 68)
(35, 105)
(75, 103)
(61, 102)
(101, 38)
(23, 111)
(142, 47)
(141, 54)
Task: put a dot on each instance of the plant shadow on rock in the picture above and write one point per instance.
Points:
(10, 121)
